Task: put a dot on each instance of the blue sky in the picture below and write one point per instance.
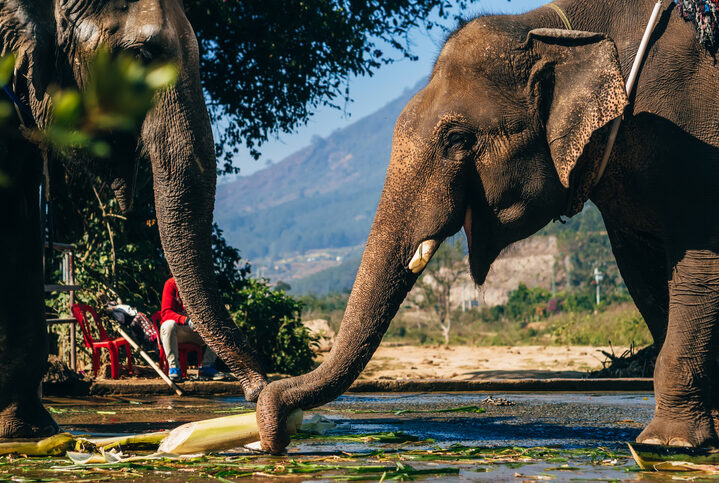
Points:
(371, 93)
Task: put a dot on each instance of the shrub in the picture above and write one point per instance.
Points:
(271, 322)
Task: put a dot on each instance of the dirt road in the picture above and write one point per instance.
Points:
(466, 363)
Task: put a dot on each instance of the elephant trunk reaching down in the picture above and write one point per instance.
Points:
(382, 283)
(178, 139)
(406, 231)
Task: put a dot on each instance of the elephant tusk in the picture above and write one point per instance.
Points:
(423, 255)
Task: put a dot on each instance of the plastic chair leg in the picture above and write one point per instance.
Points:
(183, 364)
(128, 352)
(114, 366)
(95, 361)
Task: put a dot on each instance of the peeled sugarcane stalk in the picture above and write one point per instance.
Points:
(52, 446)
(220, 433)
(133, 441)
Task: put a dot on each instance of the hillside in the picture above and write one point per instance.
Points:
(321, 197)
(305, 219)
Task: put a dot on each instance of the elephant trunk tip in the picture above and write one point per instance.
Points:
(253, 389)
(124, 194)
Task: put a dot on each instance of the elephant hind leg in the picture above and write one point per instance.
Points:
(642, 261)
(686, 368)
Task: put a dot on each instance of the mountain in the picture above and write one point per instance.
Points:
(305, 219)
(284, 218)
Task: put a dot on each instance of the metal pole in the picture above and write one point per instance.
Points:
(554, 285)
(71, 281)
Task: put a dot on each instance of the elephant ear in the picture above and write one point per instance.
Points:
(578, 87)
(28, 31)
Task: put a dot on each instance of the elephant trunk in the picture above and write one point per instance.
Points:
(382, 283)
(178, 139)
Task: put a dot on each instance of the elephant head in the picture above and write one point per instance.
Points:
(53, 41)
(493, 143)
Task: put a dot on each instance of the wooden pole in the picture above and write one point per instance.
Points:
(629, 86)
(149, 360)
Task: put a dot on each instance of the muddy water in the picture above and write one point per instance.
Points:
(573, 425)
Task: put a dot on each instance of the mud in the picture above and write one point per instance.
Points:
(582, 436)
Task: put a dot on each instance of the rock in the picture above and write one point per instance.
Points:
(60, 380)
(321, 328)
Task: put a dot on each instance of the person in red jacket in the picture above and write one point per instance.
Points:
(177, 328)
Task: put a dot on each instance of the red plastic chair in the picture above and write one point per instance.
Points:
(80, 311)
(185, 349)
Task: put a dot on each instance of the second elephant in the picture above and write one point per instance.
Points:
(508, 135)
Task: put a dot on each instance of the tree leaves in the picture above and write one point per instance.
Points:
(268, 65)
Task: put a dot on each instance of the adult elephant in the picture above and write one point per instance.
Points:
(53, 40)
(508, 135)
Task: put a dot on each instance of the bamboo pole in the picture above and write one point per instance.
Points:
(149, 360)
(629, 86)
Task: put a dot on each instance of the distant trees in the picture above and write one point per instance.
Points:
(437, 281)
(267, 65)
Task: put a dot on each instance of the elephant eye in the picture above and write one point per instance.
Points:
(458, 145)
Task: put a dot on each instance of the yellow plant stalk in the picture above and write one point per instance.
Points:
(52, 446)
(133, 441)
(220, 433)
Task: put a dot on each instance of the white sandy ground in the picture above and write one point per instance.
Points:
(467, 363)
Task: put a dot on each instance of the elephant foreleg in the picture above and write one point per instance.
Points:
(642, 261)
(23, 337)
(686, 367)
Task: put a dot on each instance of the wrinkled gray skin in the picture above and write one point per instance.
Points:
(53, 39)
(508, 135)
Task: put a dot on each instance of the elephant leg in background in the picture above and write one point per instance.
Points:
(686, 368)
(644, 269)
(23, 333)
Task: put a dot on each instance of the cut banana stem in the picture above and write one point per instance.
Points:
(52, 446)
(423, 255)
(220, 433)
(133, 441)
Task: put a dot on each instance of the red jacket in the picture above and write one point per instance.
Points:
(172, 306)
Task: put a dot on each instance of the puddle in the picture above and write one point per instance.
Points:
(585, 432)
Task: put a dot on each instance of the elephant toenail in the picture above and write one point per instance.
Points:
(679, 442)
(652, 441)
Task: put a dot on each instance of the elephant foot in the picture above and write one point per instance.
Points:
(29, 420)
(695, 432)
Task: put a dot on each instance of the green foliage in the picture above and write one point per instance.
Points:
(270, 319)
(616, 327)
(619, 324)
(267, 65)
(271, 322)
(119, 256)
(7, 65)
(437, 281)
(525, 303)
(579, 302)
(117, 97)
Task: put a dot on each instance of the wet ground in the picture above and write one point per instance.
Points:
(573, 436)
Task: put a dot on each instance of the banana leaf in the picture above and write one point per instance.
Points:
(674, 458)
